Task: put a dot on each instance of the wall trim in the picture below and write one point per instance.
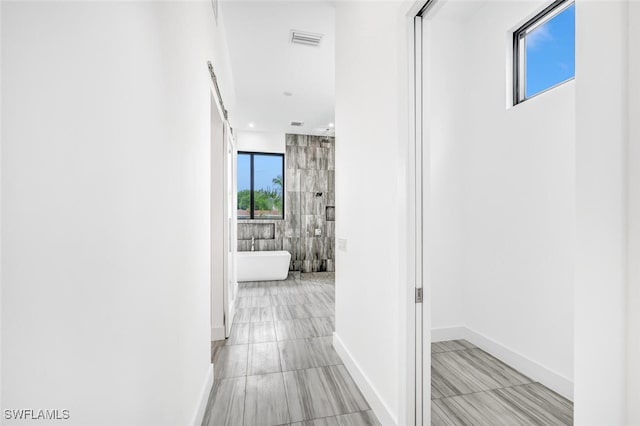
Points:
(218, 333)
(536, 371)
(377, 404)
(204, 397)
(232, 310)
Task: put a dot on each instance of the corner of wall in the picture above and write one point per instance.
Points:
(515, 359)
(204, 397)
(601, 233)
(522, 363)
(633, 218)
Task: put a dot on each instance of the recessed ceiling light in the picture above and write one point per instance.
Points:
(251, 125)
(330, 124)
(287, 93)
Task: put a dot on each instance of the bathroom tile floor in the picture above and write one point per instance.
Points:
(278, 366)
(471, 387)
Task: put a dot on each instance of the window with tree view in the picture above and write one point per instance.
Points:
(260, 185)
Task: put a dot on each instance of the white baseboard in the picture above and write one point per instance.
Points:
(235, 291)
(232, 310)
(218, 333)
(204, 397)
(520, 362)
(441, 334)
(232, 315)
(377, 404)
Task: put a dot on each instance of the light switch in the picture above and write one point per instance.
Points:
(342, 244)
(318, 232)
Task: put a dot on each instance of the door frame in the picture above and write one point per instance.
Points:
(413, 318)
(217, 213)
(230, 288)
(222, 238)
(418, 320)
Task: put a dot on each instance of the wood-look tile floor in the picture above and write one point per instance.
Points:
(278, 366)
(471, 387)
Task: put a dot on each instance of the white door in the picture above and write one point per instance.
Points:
(231, 185)
(219, 222)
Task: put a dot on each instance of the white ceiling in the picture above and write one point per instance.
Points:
(455, 10)
(265, 64)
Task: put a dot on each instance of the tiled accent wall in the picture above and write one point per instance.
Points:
(309, 205)
(310, 181)
(267, 234)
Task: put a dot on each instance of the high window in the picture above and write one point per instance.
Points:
(544, 51)
(260, 185)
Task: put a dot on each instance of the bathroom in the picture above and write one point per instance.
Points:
(293, 214)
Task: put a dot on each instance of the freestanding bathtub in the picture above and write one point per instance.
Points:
(263, 265)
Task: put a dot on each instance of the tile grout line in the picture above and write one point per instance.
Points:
(311, 368)
(334, 416)
(286, 394)
(244, 401)
(453, 350)
(487, 390)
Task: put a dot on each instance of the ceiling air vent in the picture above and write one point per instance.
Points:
(297, 123)
(302, 37)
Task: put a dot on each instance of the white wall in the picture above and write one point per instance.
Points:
(105, 209)
(527, 286)
(261, 142)
(371, 90)
(600, 289)
(1, 405)
(633, 217)
(444, 70)
(502, 187)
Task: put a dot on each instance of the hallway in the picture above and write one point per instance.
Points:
(279, 366)
(140, 141)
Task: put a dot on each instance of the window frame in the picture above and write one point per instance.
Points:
(251, 155)
(519, 53)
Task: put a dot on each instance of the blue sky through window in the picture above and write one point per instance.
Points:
(550, 53)
(265, 169)
(244, 172)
